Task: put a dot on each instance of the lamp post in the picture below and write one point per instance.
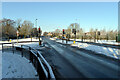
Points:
(79, 24)
(36, 22)
(78, 21)
(95, 36)
(39, 34)
(36, 25)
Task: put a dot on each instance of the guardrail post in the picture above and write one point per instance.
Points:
(30, 57)
(66, 41)
(21, 51)
(48, 75)
(37, 68)
(13, 47)
(29, 48)
(37, 54)
(2, 47)
(82, 38)
(7, 47)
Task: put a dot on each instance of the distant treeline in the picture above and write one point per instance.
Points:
(9, 28)
(80, 33)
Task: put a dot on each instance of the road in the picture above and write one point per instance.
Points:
(72, 63)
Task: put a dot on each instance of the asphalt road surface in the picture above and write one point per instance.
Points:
(69, 62)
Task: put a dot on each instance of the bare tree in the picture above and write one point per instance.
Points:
(57, 32)
(81, 32)
(92, 33)
(103, 33)
(68, 31)
(26, 28)
(8, 29)
(74, 26)
(34, 32)
(18, 23)
(45, 33)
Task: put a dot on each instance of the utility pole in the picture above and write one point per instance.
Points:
(74, 31)
(79, 25)
(95, 36)
(36, 22)
(31, 36)
(63, 35)
(107, 37)
(36, 26)
(39, 35)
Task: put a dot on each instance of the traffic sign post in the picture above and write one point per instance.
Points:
(63, 35)
(82, 38)
(74, 31)
(31, 36)
(17, 35)
(68, 37)
(98, 35)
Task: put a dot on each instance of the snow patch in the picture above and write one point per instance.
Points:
(112, 52)
(15, 66)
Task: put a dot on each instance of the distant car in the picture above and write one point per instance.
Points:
(57, 39)
(63, 37)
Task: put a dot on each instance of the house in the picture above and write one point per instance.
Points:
(49, 34)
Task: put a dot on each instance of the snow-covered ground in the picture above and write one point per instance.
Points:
(31, 44)
(15, 66)
(112, 52)
(101, 41)
(19, 40)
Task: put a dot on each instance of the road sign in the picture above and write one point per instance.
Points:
(98, 32)
(74, 31)
(17, 33)
(73, 42)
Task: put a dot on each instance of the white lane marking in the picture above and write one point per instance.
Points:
(56, 48)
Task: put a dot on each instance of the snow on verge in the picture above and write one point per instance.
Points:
(15, 66)
(112, 52)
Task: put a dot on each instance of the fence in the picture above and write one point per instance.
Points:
(44, 70)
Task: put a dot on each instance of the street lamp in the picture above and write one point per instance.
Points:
(36, 26)
(36, 22)
(39, 32)
(79, 25)
(78, 21)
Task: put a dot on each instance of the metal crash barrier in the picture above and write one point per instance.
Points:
(44, 70)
